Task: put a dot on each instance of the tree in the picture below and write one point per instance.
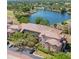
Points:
(26, 8)
(41, 21)
(63, 10)
(10, 6)
(55, 25)
(23, 19)
(24, 39)
(38, 20)
(64, 23)
(16, 38)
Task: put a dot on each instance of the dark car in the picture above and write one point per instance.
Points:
(8, 43)
(32, 51)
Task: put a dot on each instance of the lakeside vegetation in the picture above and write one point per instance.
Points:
(41, 21)
(51, 6)
(25, 9)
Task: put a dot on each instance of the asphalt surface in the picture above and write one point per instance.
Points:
(26, 52)
(15, 55)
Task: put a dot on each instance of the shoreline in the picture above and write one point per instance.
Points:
(58, 11)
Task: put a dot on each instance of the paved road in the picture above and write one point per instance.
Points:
(15, 55)
(24, 53)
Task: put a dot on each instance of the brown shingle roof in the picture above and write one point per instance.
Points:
(13, 27)
(46, 30)
(54, 42)
(10, 31)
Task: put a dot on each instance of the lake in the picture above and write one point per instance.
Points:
(52, 17)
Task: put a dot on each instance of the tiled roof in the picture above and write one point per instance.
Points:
(54, 42)
(46, 30)
(13, 27)
(10, 31)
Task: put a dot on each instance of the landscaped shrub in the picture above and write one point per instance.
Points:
(59, 55)
(45, 50)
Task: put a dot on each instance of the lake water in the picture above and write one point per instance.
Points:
(52, 17)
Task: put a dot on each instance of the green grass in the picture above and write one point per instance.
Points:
(59, 55)
(42, 53)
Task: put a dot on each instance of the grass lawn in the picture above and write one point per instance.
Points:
(56, 56)
(40, 53)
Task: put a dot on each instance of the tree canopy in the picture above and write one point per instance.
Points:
(41, 21)
(24, 39)
(23, 19)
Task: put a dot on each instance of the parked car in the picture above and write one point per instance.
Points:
(8, 43)
(32, 51)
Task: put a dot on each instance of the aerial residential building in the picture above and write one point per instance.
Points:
(49, 37)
